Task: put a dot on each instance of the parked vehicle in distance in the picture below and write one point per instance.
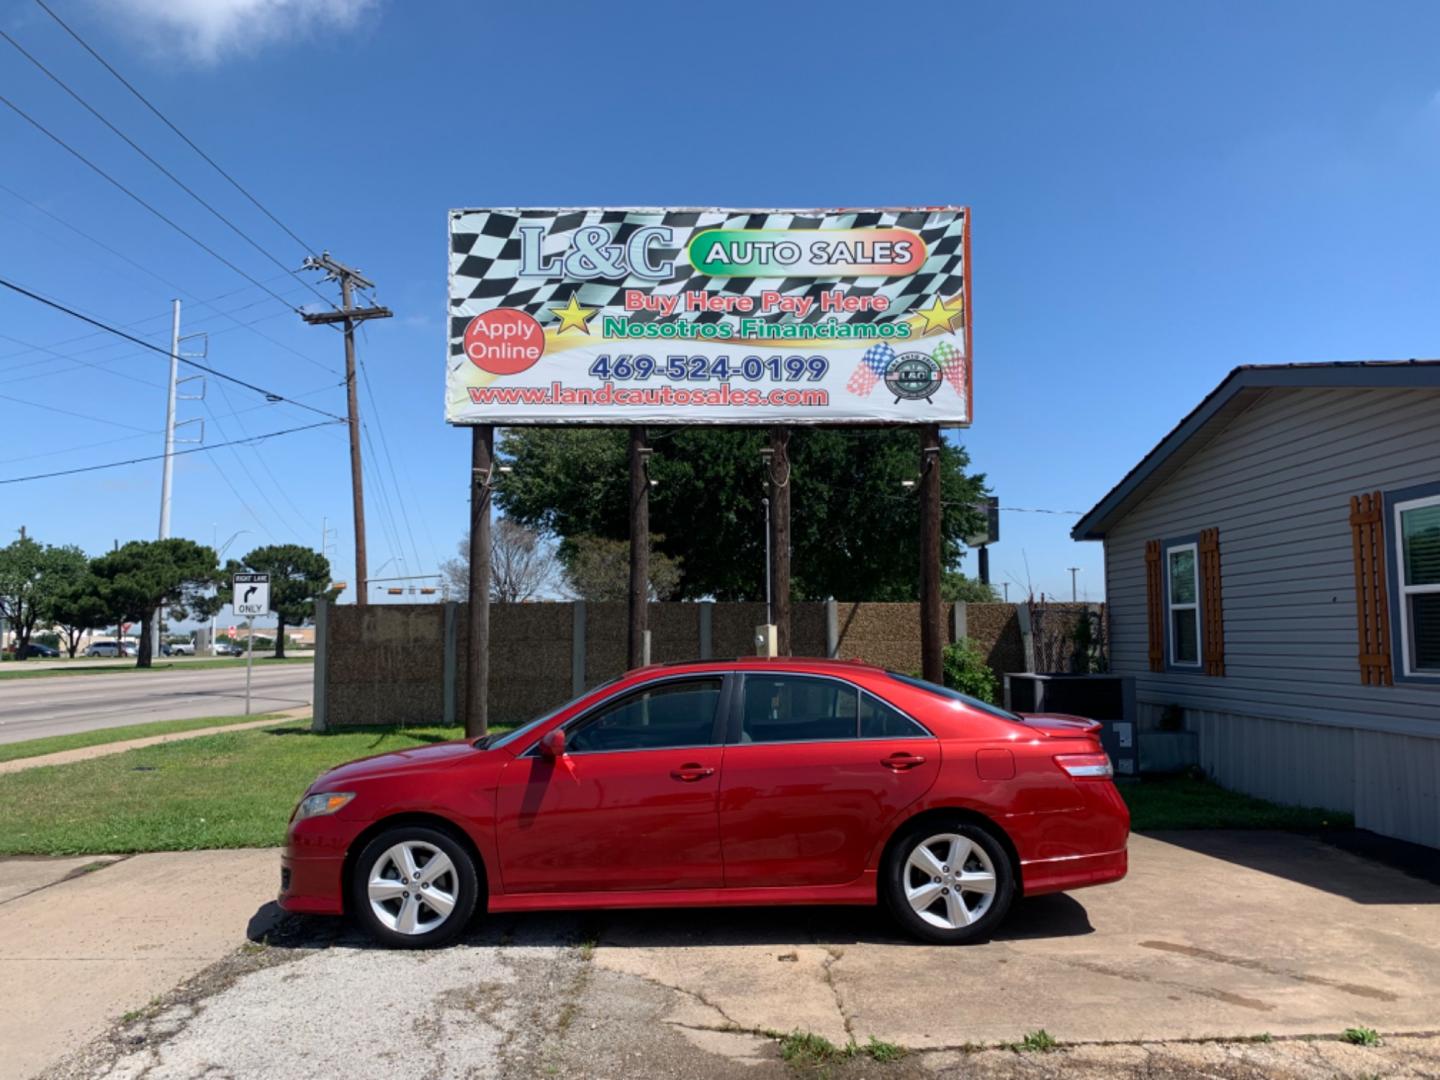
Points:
(790, 781)
(107, 648)
(36, 651)
(182, 648)
(226, 648)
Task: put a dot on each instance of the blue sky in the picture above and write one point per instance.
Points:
(1160, 192)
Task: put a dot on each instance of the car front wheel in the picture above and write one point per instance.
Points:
(414, 888)
(949, 884)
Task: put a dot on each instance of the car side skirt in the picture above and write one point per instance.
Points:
(860, 891)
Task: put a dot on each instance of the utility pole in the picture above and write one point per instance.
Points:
(1073, 571)
(168, 472)
(637, 652)
(932, 629)
(482, 468)
(777, 469)
(349, 315)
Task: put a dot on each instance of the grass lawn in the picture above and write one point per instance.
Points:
(232, 789)
(54, 743)
(236, 789)
(1183, 802)
(20, 669)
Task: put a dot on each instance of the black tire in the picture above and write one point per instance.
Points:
(461, 883)
(898, 875)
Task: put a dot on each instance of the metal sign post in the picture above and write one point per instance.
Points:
(249, 660)
(250, 597)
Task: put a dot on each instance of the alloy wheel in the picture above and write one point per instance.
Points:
(412, 887)
(949, 881)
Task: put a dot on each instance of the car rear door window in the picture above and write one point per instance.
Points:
(656, 718)
(881, 721)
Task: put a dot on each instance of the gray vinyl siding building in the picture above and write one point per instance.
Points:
(1271, 460)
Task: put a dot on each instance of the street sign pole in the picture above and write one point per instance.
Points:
(249, 659)
(250, 596)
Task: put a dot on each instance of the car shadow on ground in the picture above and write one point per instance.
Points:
(1055, 916)
(1325, 860)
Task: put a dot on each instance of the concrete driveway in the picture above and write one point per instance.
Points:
(1223, 936)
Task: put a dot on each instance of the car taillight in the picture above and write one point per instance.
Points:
(1086, 766)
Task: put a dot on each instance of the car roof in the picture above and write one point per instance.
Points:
(764, 663)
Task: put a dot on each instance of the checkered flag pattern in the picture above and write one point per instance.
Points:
(951, 362)
(485, 260)
(870, 370)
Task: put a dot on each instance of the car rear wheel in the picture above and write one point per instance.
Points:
(414, 888)
(949, 883)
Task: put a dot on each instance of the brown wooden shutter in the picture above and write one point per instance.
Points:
(1212, 610)
(1372, 606)
(1155, 605)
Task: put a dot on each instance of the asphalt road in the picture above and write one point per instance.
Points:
(62, 705)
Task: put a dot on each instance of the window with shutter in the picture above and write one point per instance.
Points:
(1415, 579)
(1214, 620)
(1372, 609)
(1155, 605)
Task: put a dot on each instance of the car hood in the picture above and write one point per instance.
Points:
(419, 757)
(1061, 726)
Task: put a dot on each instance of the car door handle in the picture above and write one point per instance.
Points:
(691, 772)
(902, 761)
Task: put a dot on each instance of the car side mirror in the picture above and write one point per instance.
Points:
(552, 746)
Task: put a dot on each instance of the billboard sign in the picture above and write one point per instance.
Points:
(709, 316)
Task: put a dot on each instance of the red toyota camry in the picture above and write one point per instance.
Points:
(790, 781)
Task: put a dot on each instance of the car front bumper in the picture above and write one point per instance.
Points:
(312, 865)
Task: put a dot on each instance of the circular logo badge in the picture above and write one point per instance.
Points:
(504, 341)
(912, 376)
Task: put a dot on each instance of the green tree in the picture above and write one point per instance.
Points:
(966, 670)
(599, 569)
(140, 578)
(956, 587)
(854, 524)
(298, 575)
(78, 608)
(31, 576)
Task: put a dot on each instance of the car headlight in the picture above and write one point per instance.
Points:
(322, 802)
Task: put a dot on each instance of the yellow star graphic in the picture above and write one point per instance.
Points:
(573, 315)
(938, 317)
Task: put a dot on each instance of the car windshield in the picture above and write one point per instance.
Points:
(491, 742)
(955, 695)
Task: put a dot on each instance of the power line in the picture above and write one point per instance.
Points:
(308, 248)
(275, 481)
(170, 175)
(179, 289)
(269, 394)
(146, 434)
(157, 457)
(72, 415)
(389, 461)
(168, 221)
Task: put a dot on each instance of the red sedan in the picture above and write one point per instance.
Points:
(791, 781)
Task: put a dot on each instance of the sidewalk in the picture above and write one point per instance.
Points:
(78, 951)
(85, 753)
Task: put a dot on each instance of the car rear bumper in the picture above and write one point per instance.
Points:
(1072, 872)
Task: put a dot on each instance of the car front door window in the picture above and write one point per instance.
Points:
(792, 708)
(672, 715)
